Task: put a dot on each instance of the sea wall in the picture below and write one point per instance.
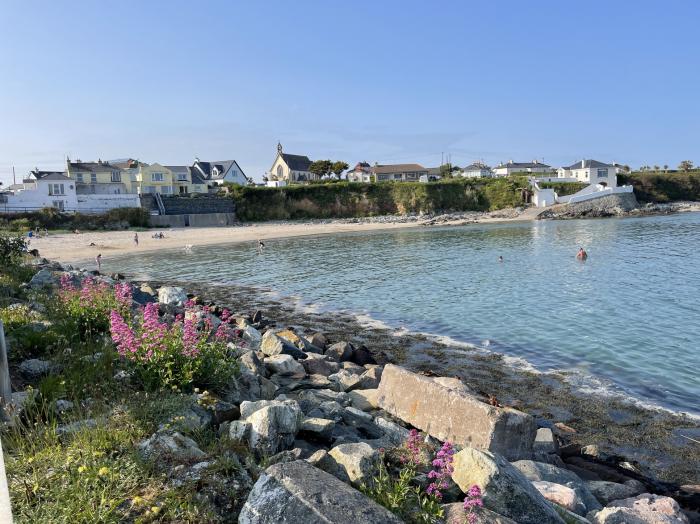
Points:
(607, 206)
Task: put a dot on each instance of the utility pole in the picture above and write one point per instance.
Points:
(14, 179)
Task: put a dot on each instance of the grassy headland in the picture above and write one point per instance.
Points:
(655, 186)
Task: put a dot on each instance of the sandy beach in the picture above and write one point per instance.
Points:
(86, 245)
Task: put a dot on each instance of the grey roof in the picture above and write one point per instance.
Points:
(48, 175)
(588, 163)
(197, 177)
(476, 167)
(206, 169)
(523, 165)
(296, 162)
(178, 169)
(398, 168)
(93, 167)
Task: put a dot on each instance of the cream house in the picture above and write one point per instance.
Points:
(290, 168)
(97, 177)
(591, 172)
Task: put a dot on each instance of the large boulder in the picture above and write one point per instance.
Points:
(452, 415)
(167, 448)
(172, 295)
(250, 360)
(34, 368)
(284, 365)
(43, 278)
(340, 351)
(274, 426)
(320, 366)
(606, 492)
(271, 345)
(297, 492)
(505, 490)
(561, 495)
(364, 399)
(539, 471)
(252, 336)
(643, 509)
(357, 463)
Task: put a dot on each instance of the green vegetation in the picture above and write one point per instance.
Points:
(564, 188)
(50, 218)
(652, 186)
(349, 200)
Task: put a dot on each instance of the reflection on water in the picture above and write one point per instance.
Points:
(629, 313)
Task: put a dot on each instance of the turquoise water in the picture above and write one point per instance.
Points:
(627, 317)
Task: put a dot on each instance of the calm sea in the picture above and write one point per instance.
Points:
(627, 318)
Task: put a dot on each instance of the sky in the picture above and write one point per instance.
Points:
(380, 81)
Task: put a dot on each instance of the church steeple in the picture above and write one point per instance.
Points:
(279, 147)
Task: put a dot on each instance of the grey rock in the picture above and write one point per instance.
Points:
(319, 366)
(357, 463)
(272, 345)
(364, 399)
(606, 492)
(545, 442)
(352, 368)
(34, 368)
(318, 428)
(561, 495)
(370, 379)
(340, 351)
(170, 447)
(252, 336)
(319, 340)
(172, 295)
(75, 427)
(538, 471)
(288, 455)
(346, 380)
(284, 365)
(396, 434)
(62, 405)
(251, 361)
(298, 492)
(643, 509)
(274, 426)
(239, 431)
(455, 514)
(43, 278)
(505, 490)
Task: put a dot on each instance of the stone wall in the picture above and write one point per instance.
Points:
(190, 205)
(612, 205)
(194, 220)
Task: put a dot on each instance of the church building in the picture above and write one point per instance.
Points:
(290, 168)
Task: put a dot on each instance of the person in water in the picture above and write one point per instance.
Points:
(581, 255)
(98, 260)
(500, 258)
(261, 246)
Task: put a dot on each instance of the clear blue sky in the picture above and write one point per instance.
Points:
(385, 81)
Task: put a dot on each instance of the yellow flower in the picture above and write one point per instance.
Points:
(30, 460)
(103, 471)
(81, 469)
(137, 501)
(196, 390)
(155, 510)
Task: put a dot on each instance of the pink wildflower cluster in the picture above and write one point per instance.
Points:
(122, 292)
(412, 448)
(473, 501)
(442, 470)
(66, 283)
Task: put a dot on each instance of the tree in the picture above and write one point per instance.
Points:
(665, 167)
(657, 168)
(338, 167)
(321, 167)
(686, 165)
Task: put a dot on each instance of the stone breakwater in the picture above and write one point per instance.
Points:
(319, 414)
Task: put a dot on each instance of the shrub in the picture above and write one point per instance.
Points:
(50, 218)
(664, 187)
(12, 249)
(84, 312)
(178, 356)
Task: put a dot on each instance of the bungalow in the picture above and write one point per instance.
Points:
(591, 172)
(290, 168)
(39, 190)
(477, 170)
(217, 172)
(362, 172)
(398, 172)
(521, 167)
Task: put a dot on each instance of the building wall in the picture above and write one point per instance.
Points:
(589, 175)
(235, 175)
(100, 203)
(146, 183)
(36, 196)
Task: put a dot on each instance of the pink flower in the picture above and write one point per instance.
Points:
(442, 470)
(122, 335)
(473, 501)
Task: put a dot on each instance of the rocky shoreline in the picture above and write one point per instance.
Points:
(321, 399)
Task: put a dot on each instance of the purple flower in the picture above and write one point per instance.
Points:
(442, 470)
(473, 501)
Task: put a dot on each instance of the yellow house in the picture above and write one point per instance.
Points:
(98, 178)
(154, 178)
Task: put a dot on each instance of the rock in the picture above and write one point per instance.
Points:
(62, 406)
(318, 458)
(34, 368)
(340, 351)
(352, 368)
(345, 379)
(219, 410)
(43, 278)
(362, 357)
(455, 416)
(319, 366)
(306, 346)
(606, 492)
(249, 386)
(257, 317)
(252, 336)
(274, 426)
(369, 379)
(561, 495)
(319, 340)
(272, 345)
(317, 428)
(361, 421)
(364, 399)
(75, 427)
(643, 509)
(505, 490)
(452, 383)
(251, 361)
(298, 492)
(289, 336)
(239, 431)
(357, 463)
(394, 433)
(545, 442)
(284, 365)
(172, 295)
(539, 471)
(170, 447)
(455, 514)
(288, 455)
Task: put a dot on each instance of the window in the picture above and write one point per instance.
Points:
(116, 176)
(603, 172)
(280, 171)
(56, 189)
(397, 177)
(58, 204)
(156, 177)
(93, 178)
(79, 178)
(167, 190)
(182, 177)
(151, 189)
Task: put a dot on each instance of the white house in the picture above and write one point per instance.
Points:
(591, 172)
(290, 168)
(219, 171)
(39, 190)
(362, 172)
(521, 167)
(476, 170)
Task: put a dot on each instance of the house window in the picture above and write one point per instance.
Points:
(93, 178)
(603, 173)
(280, 171)
(182, 177)
(56, 189)
(79, 177)
(167, 190)
(58, 204)
(116, 176)
(156, 177)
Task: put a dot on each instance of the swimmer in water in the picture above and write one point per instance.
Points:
(98, 260)
(581, 255)
(261, 246)
(500, 259)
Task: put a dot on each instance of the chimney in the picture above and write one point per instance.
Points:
(583, 163)
(510, 161)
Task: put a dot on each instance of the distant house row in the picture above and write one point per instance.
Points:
(102, 185)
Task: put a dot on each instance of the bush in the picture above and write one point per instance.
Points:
(564, 188)
(12, 248)
(178, 356)
(51, 218)
(664, 187)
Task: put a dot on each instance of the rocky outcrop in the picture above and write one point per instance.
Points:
(357, 463)
(449, 414)
(165, 448)
(505, 490)
(298, 492)
(455, 514)
(606, 492)
(644, 509)
(172, 295)
(273, 424)
(607, 206)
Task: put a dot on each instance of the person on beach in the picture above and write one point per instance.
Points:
(98, 260)
(261, 246)
(581, 255)
(136, 239)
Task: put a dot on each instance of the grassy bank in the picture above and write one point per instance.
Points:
(52, 219)
(664, 187)
(348, 200)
